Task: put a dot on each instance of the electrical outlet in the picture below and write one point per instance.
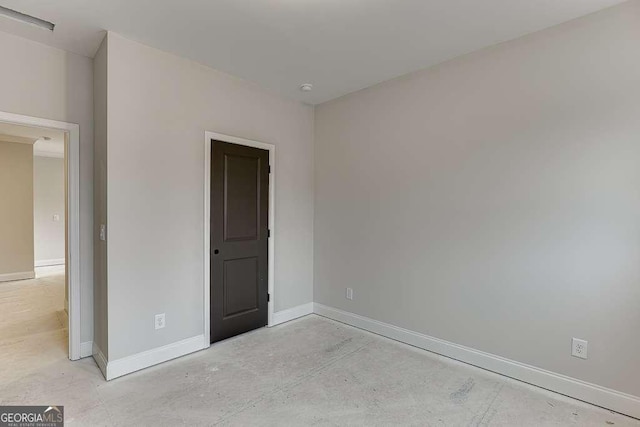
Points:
(579, 348)
(349, 293)
(160, 321)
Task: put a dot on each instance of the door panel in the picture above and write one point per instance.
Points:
(241, 198)
(239, 239)
(241, 286)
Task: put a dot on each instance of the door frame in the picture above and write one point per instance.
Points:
(208, 136)
(73, 257)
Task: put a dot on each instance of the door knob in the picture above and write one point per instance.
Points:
(216, 252)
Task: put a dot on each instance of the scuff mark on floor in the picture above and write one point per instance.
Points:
(462, 394)
(338, 346)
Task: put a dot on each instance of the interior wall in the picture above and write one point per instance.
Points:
(493, 202)
(48, 200)
(100, 85)
(159, 107)
(43, 81)
(16, 214)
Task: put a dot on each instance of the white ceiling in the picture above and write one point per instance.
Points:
(54, 147)
(338, 45)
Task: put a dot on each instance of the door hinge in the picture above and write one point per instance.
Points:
(269, 168)
(268, 297)
(268, 233)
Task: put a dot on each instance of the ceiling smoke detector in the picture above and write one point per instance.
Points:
(306, 87)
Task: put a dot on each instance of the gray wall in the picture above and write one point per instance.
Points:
(493, 201)
(48, 200)
(158, 108)
(46, 82)
(101, 326)
(16, 211)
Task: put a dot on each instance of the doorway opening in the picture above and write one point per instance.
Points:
(239, 235)
(39, 242)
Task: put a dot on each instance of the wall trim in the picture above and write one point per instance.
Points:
(591, 393)
(51, 154)
(283, 316)
(73, 254)
(136, 362)
(18, 139)
(208, 136)
(49, 262)
(100, 359)
(21, 275)
(86, 349)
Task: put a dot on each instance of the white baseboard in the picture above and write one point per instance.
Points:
(49, 262)
(572, 387)
(136, 362)
(292, 313)
(8, 277)
(100, 359)
(86, 349)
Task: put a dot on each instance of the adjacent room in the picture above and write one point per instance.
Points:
(279, 213)
(33, 287)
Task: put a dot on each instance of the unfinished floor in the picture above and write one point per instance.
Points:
(312, 371)
(33, 324)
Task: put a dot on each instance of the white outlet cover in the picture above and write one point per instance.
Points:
(579, 348)
(160, 321)
(349, 293)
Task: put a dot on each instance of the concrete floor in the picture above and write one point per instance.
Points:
(312, 371)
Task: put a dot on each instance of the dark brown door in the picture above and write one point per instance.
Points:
(239, 239)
